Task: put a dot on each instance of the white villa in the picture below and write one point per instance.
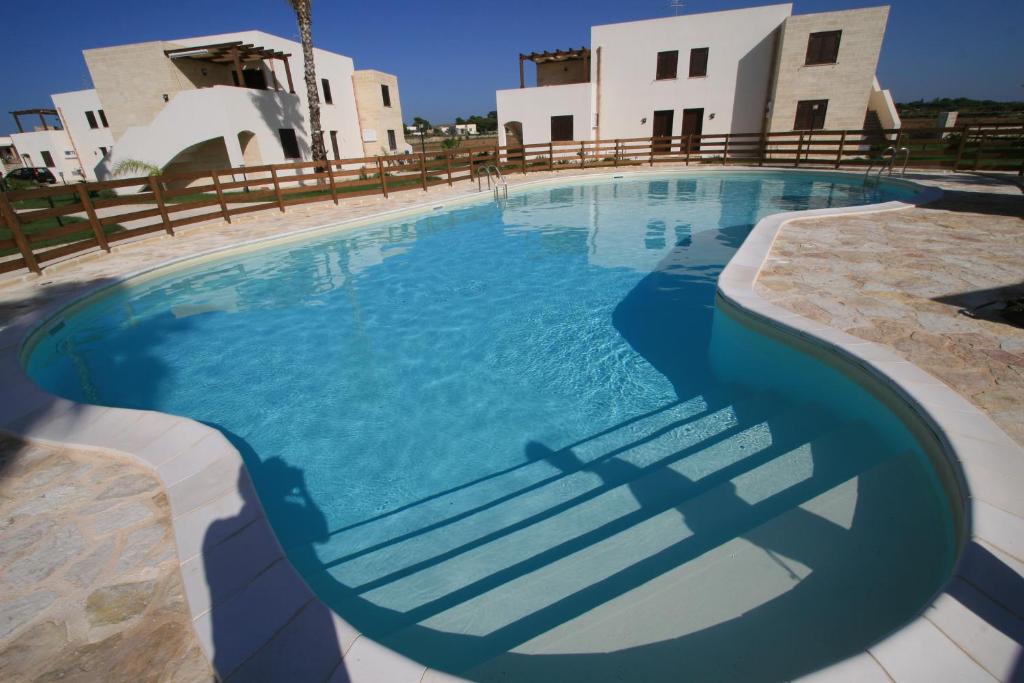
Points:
(738, 71)
(211, 102)
(70, 139)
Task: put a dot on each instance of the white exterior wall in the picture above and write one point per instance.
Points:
(193, 115)
(881, 103)
(86, 141)
(534, 107)
(57, 142)
(735, 90)
(340, 116)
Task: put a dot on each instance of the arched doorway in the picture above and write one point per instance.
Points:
(203, 156)
(250, 147)
(514, 139)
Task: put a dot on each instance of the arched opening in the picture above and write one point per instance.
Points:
(514, 139)
(250, 147)
(203, 156)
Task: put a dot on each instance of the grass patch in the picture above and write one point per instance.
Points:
(49, 223)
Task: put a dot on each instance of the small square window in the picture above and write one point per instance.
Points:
(561, 128)
(823, 47)
(668, 63)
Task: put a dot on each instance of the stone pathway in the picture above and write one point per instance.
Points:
(89, 581)
(902, 278)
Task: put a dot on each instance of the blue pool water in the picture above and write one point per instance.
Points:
(519, 442)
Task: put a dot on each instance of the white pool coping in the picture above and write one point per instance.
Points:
(206, 482)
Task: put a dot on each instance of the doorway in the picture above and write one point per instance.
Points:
(693, 124)
(663, 129)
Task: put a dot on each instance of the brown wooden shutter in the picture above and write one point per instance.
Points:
(668, 63)
(698, 62)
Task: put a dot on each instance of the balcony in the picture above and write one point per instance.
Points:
(561, 67)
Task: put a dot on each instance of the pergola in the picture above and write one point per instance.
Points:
(41, 113)
(235, 52)
(556, 56)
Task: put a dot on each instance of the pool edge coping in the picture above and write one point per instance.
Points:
(984, 460)
(205, 477)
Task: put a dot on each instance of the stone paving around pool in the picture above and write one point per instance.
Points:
(903, 278)
(89, 582)
(90, 587)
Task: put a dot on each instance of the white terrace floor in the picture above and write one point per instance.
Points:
(89, 588)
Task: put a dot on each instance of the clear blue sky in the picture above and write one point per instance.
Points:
(451, 56)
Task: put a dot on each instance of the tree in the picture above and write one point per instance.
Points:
(304, 15)
(459, 120)
(421, 123)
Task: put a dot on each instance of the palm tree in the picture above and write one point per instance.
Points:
(303, 12)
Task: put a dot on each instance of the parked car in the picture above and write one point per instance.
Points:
(27, 175)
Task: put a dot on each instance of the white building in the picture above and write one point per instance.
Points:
(211, 102)
(237, 99)
(738, 71)
(50, 144)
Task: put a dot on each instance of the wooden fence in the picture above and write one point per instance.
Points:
(47, 223)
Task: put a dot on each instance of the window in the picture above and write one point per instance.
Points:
(327, 91)
(392, 142)
(561, 128)
(810, 114)
(47, 159)
(103, 152)
(385, 94)
(289, 144)
(667, 64)
(91, 118)
(823, 47)
(698, 62)
(103, 118)
(334, 144)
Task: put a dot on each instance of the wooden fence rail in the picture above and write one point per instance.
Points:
(47, 223)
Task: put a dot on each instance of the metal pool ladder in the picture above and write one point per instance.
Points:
(497, 182)
(886, 161)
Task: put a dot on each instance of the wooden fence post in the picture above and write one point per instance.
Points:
(799, 149)
(725, 152)
(977, 150)
(522, 155)
(220, 196)
(448, 165)
(97, 229)
(14, 225)
(839, 153)
(583, 154)
(154, 184)
(616, 162)
(383, 177)
(551, 156)
(277, 189)
(651, 160)
(689, 147)
(423, 170)
(330, 179)
(763, 148)
(497, 156)
(960, 148)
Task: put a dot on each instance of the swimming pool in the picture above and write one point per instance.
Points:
(503, 440)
